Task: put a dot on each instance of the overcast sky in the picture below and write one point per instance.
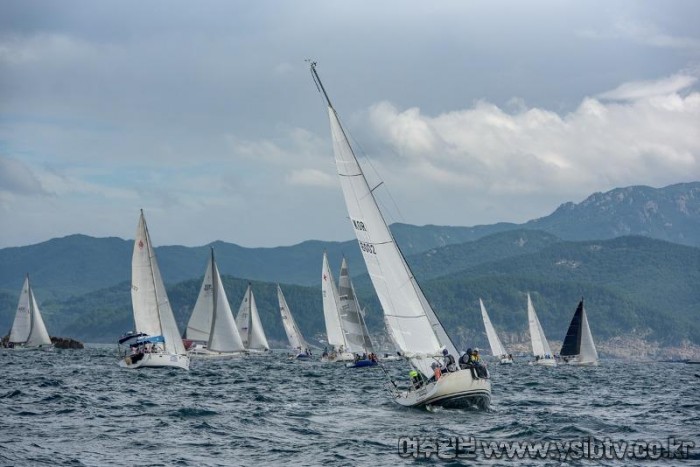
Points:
(204, 114)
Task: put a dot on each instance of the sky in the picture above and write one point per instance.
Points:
(204, 114)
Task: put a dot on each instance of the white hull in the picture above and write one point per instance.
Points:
(452, 390)
(198, 353)
(45, 348)
(344, 357)
(577, 363)
(506, 361)
(545, 362)
(157, 360)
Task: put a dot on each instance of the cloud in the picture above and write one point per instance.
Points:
(642, 32)
(645, 136)
(644, 89)
(16, 177)
(311, 177)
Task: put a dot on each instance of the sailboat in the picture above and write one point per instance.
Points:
(296, 339)
(340, 349)
(353, 323)
(211, 326)
(156, 342)
(497, 349)
(540, 346)
(578, 347)
(249, 324)
(28, 329)
(413, 324)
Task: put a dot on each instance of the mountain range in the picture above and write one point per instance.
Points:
(631, 252)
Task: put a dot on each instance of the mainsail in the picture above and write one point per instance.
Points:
(152, 312)
(351, 320)
(331, 306)
(579, 340)
(212, 320)
(497, 348)
(540, 346)
(414, 325)
(249, 324)
(296, 339)
(28, 328)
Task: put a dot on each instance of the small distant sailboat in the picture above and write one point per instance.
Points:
(211, 326)
(156, 341)
(249, 324)
(296, 339)
(578, 347)
(413, 324)
(353, 323)
(28, 329)
(540, 346)
(340, 351)
(497, 349)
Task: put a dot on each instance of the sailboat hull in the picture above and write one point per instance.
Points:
(157, 360)
(203, 352)
(458, 390)
(343, 357)
(578, 363)
(545, 362)
(19, 348)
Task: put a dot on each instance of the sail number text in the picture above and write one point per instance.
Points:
(367, 248)
(359, 225)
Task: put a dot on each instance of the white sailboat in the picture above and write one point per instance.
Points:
(540, 346)
(156, 341)
(249, 324)
(414, 326)
(578, 347)
(352, 321)
(340, 351)
(296, 339)
(497, 349)
(28, 329)
(211, 325)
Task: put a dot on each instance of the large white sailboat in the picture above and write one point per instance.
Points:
(28, 329)
(497, 349)
(296, 339)
(340, 350)
(412, 322)
(578, 347)
(156, 341)
(249, 324)
(540, 347)
(212, 326)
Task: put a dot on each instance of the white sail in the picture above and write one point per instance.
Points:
(497, 348)
(152, 313)
(249, 324)
(540, 346)
(589, 354)
(28, 327)
(296, 339)
(200, 323)
(351, 319)
(212, 320)
(331, 306)
(414, 325)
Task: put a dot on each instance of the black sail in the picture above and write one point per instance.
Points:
(572, 341)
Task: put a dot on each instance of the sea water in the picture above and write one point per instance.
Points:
(77, 407)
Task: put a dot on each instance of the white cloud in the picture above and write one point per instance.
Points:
(16, 177)
(641, 32)
(643, 89)
(311, 177)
